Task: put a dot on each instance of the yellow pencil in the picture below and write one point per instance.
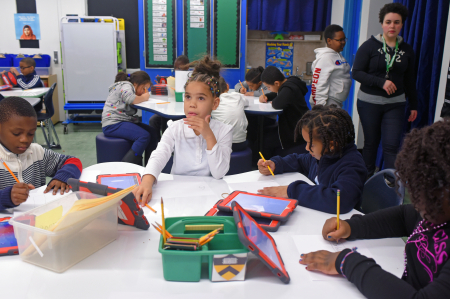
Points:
(241, 84)
(265, 161)
(164, 103)
(163, 221)
(150, 207)
(10, 171)
(338, 206)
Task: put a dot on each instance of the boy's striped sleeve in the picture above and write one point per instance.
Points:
(61, 167)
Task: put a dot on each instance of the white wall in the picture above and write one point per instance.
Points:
(337, 12)
(444, 72)
(370, 25)
(50, 12)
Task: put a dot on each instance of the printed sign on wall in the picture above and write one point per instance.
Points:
(280, 55)
(27, 26)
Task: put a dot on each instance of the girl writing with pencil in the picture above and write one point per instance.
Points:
(333, 163)
(252, 86)
(119, 119)
(423, 166)
(201, 145)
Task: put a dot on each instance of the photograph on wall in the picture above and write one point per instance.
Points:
(27, 26)
(280, 55)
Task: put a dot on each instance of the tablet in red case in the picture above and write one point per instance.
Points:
(122, 181)
(258, 205)
(267, 224)
(260, 242)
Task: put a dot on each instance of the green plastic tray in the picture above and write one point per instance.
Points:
(180, 265)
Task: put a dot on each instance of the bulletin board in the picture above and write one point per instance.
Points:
(196, 29)
(227, 32)
(160, 33)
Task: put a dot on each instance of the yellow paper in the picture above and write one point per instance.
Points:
(48, 219)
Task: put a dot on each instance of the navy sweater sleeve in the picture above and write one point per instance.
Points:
(322, 197)
(361, 66)
(5, 199)
(292, 163)
(61, 167)
(368, 276)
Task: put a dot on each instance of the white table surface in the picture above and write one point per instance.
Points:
(176, 109)
(29, 93)
(131, 266)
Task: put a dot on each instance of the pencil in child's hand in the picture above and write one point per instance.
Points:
(267, 165)
(338, 207)
(150, 208)
(10, 171)
(241, 84)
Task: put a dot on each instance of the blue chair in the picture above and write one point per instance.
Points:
(240, 162)
(111, 149)
(378, 194)
(46, 119)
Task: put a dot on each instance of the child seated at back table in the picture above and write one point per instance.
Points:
(287, 94)
(119, 119)
(333, 163)
(423, 165)
(201, 145)
(27, 78)
(252, 86)
(30, 162)
(231, 112)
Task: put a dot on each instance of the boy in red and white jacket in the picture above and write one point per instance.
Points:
(29, 162)
(331, 80)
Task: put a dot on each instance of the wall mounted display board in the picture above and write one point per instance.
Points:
(160, 33)
(196, 28)
(227, 32)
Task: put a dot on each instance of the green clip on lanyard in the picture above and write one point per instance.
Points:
(389, 63)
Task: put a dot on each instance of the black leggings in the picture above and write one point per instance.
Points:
(385, 123)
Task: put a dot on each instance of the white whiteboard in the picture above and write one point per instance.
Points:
(89, 60)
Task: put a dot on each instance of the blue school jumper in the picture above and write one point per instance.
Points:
(347, 173)
(29, 81)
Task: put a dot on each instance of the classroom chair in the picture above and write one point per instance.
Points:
(240, 162)
(45, 120)
(379, 193)
(110, 149)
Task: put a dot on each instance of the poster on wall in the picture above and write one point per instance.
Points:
(27, 26)
(280, 55)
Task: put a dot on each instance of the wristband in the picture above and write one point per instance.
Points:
(343, 260)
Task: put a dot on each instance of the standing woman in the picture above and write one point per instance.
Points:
(384, 65)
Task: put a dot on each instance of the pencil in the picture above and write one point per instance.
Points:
(164, 103)
(157, 228)
(338, 206)
(241, 84)
(167, 233)
(163, 222)
(150, 207)
(265, 161)
(10, 171)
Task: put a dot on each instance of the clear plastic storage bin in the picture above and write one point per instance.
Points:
(61, 249)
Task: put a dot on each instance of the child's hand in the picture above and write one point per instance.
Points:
(262, 166)
(262, 99)
(322, 260)
(143, 193)
(200, 125)
(275, 191)
(14, 71)
(56, 185)
(243, 90)
(330, 233)
(19, 193)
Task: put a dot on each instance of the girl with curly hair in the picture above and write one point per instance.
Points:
(333, 162)
(423, 165)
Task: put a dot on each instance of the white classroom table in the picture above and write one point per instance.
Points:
(175, 110)
(29, 93)
(131, 266)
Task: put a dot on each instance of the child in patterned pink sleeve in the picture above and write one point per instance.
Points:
(119, 119)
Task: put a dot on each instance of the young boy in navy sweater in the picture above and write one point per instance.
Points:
(29, 162)
(333, 163)
(28, 78)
